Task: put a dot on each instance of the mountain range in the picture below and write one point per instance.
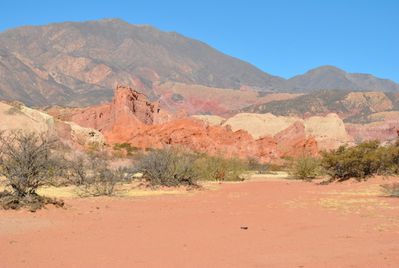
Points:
(79, 63)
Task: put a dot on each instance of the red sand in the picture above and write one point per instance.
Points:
(287, 227)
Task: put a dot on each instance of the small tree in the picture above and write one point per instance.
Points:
(26, 162)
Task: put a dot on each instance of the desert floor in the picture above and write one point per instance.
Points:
(262, 223)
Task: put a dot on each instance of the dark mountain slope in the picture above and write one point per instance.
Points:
(79, 58)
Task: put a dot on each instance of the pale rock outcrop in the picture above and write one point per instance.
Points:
(213, 120)
(259, 125)
(16, 116)
(329, 131)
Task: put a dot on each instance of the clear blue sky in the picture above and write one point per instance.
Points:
(283, 37)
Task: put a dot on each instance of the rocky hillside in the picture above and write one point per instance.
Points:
(328, 131)
(355, 107)
(330, 77)
(80, 63)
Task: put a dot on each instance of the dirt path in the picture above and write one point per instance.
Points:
(253, 224)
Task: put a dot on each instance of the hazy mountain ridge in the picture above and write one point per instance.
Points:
(79, 57)
(352, 106)
(330, 77)
(79, 63)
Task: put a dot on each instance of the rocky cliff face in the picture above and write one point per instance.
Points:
(294, 142)
(328, 131)
(353, 107)
(128, 108)
(131, 118)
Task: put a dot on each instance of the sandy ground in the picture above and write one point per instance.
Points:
(276, 223)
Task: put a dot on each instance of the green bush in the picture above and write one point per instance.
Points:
(306, 168)
(361, 161)
(217, 168)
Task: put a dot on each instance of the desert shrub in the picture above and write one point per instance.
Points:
(168, 167)
(391, 190)
(306, 168)
(32, 202)
(219, 168)
(27, 162)
(93, 176)
(173, 167)
(125, 148)
(361, 161)
(255, 165)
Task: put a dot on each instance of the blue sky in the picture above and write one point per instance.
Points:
(283, 37)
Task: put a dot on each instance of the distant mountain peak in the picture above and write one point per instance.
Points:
(331, 77)
(326, 68)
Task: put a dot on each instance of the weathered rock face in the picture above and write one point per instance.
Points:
(197, 136)
(328, 131)
(374, 101)
(381, 126)
(382, 131)
(128, 108)
(259, 125)
(131, 102)
(293, 141)
(131, 118)
(19, 117)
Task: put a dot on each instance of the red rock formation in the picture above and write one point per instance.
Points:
(197, 136)
(292, 141)
(128, 108)
(131, 118)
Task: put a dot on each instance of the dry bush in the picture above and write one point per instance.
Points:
(27, 162)
(93, 176)
(255, 165)
(174, 167)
